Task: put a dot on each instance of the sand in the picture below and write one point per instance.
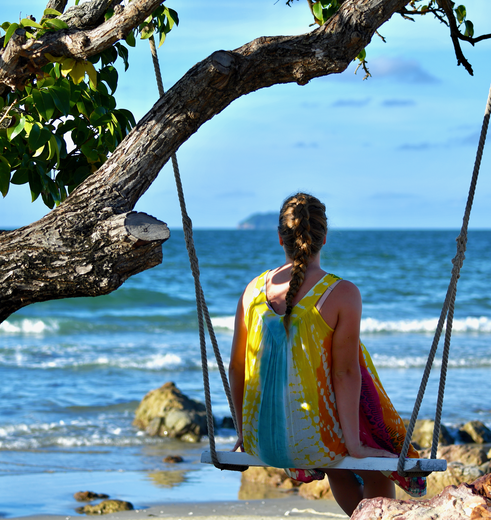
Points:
(269, 509)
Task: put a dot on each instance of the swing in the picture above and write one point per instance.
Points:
(240, 461)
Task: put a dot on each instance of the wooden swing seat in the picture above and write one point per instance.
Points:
(237, 458)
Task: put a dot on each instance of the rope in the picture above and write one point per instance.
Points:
(447, 312)
(201, 306)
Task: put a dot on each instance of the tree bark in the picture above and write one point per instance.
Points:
(82, 248)
(23, 57)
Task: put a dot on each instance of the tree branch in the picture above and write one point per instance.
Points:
(82, 248)
(23, 57)
(454, 35)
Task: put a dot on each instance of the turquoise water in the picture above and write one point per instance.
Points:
(73, 371)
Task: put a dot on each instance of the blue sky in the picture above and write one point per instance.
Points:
(394, 151)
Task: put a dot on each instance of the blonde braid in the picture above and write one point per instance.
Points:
(303, 226)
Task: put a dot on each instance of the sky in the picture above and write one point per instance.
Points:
(394, 151)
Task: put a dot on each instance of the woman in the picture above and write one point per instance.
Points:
(304, 387)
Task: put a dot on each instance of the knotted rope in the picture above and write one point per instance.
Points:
(201, 306)
(447, 313)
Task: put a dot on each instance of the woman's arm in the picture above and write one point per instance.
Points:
(346, 369)
(236, 371)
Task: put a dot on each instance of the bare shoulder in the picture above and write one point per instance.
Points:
(248, 293)
(347, 293)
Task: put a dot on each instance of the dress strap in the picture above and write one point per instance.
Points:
(323, 298)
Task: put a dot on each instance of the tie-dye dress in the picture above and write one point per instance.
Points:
(289, 413)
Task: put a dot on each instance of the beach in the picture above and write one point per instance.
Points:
(271, 509)
(74, 371)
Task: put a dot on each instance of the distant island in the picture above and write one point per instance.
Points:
(260, 221)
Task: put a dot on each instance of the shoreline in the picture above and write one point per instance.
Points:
(273, 508)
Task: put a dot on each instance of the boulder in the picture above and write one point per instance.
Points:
(87, 496)
(173, 459)
(467, 454)
(105, 507)
(463, 502)
(167, 412)
(455, 475)
(423, 434)
(259, 483)
(477, 431)
(316, 489)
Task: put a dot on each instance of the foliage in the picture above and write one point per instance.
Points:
(449, 13)
(65, 123)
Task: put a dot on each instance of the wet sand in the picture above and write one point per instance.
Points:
(270, 509)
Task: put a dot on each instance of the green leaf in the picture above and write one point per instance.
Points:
(61, 98)
(317, 10)
(110, 76)
(99, 116)
(39, 103)
(21, 176)
(49, 11)
(38, 137)
(123, 53)
(90, 151)
(461, 13)
(27, 22)
(172, 17)
(130, 39)
(10, 31)
(55, 23)
(4, 176)
(469, 28)
(54, 150)
(14, 131)
(34, 183)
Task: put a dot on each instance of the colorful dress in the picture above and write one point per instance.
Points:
(289, 413)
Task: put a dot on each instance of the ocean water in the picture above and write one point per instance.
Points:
(73, 371)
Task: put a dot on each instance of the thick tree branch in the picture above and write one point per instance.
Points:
(82, 247)
(23, 57)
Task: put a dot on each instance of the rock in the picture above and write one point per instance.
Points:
(228, 422)
(423, 434)
(259, 483)
(486, 467)
(105, 507)
(87, 496)
(468, 454)
(266, 476)
(477, 430)
(173, 459)
(316, 489)
(455, 475)
(167, 412)
(465, 502)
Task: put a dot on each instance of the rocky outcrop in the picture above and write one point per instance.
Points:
(316, 490)
(167, 412)
(423, 434)
(105, 507)
(475, 431)
(463, 502)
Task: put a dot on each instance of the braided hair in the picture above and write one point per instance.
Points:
(302, 227)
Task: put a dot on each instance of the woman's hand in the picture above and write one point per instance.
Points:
(239, 445)
(361, 451)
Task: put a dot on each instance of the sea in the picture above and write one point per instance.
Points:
(73, 371)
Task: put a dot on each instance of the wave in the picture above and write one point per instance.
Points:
(29, 326)
(372, 326)
(382, 361)
(169, 362)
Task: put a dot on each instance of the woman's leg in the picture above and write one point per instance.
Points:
(376, 484)
(346, 488)
(349, 492)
